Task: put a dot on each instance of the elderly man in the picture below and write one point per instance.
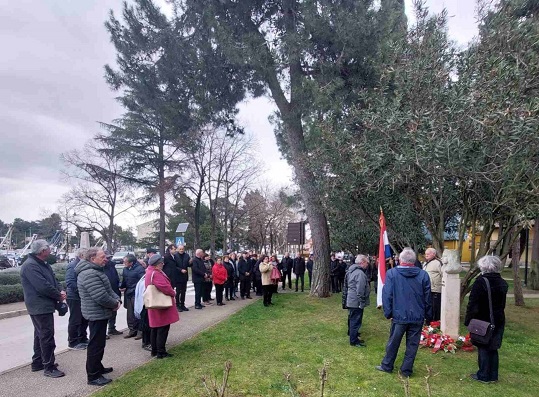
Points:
(299, 270)
(183, 262)
(286, 265)
(433, 266)
(98, 302)
(356, 293)
(407, 302)
(41, 293)
(77, 337)
(199, 276)
(131, 275)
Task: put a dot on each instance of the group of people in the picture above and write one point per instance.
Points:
(411, 297)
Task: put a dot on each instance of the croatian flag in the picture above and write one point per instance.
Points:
(384, 251)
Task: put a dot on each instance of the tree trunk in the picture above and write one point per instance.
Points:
(196, 243)
(515, 260)
(533, 277)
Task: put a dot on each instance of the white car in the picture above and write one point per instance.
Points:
(118, 258)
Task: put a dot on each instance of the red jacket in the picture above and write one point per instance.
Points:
(219, 273)
(161, 317)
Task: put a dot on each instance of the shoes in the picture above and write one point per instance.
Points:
(130, 335)
(249, 297)
(107, 337)
(227, 299)
(474, 377)
(107, 370)
(243, 298)
(139, 336)
(160, 356)
(232, 299)
(185, 309)
(37, 369)
(379, 368)
(115, 332)
(54, 373)
(359, 344)
(79, 346)
(199, 307)
(101, 381)
(178, 308)
(221, 304)
(147, 347)
(265, 304)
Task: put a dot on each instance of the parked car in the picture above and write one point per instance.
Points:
(118, 257)
(5, 263)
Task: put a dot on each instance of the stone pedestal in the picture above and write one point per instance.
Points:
(84, 240)
(450, 313)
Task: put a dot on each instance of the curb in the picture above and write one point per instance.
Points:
(14, 313)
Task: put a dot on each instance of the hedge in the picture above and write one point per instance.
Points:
(11, 293)
(9, 278)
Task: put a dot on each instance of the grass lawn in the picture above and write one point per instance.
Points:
(299, 334)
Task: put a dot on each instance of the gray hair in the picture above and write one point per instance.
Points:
(361, 258)
(92, 253)
(131, 258)
(407, 255)
(39, 246)
(431, 250)
(81, 252)
(490, 264)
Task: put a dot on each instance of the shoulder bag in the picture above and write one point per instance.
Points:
(481, 331)
(155, 299)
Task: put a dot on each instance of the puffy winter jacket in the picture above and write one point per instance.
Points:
(406, 295)
(96, 294)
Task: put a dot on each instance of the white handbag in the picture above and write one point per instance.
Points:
(155, 299)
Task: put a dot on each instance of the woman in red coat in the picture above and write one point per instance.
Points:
(160, 319)
(220, 275)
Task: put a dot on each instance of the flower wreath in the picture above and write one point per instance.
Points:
(432, 337)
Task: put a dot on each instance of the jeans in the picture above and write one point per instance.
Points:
(159, 339)
(413, 335)
(488, 362)
(198, 292)
(355, 319)
(76, 329)
(132, 321)
(181, 288)
(436, 305)
(302, 277)
(44, 343)
(96, 348)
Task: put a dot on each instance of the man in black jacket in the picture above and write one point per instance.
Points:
(114, 278)
(132, 273)
(199, 276)
(183, 262)
(287, 264)
(244, 269)
(299, 270)
(310, 265)
(41, 293)
(77, 338)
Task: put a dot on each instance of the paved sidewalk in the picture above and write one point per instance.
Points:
(123, 355)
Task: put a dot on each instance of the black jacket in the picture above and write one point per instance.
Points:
(478, 306)
(112, 274)
(71, 280)
(199, 270)
(244, 266)
(310, 265)
(299, 265)
(130, 278)
(287, 264)
(40, 287)
(182, 263)
(170, 269)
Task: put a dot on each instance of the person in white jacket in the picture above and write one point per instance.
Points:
(142, 314)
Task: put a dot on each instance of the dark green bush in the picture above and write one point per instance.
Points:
(10, 278)
(11, 293)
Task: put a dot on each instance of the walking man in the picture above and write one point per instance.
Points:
(98, 302)
(407, 302)
(433, 266)
(41, 293)
(77, 337)
(131, 275)
(357, 291)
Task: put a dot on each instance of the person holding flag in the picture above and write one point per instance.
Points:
(384, 252)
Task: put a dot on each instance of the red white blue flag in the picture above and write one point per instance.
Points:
(384, 252)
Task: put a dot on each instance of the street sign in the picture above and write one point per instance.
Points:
(180, 241)
(182, 227)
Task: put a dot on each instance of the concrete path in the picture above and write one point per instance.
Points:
(122, 354)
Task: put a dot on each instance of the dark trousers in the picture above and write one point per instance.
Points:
(44, 343)
(236, 286)
(267, 291)
(219, 292)
(302, 277)
(198, 292)
(206, 291)
(413, 334)
(159, 340)
(245, 286)
(144, 327)
(310, 278)
(181, 289)
(112, 321)
(229, 288)
(132, 321)
(287, 273)
(488, 362)
(76, 328)
(340, 283)
(355, 318)
(258, 289)
(96, 348)
(436, 305)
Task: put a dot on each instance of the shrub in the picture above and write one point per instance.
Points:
(11, 293)
(10, 278)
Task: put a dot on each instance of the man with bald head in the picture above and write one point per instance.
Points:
(433, 266)
(199, 276)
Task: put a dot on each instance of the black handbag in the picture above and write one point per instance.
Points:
(481, 331)
(61, 308)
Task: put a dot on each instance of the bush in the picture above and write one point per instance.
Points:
(10, 278)
(11, 294)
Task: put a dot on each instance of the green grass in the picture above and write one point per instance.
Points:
(299, 334)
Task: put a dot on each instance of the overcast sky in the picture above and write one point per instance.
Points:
(52, 94)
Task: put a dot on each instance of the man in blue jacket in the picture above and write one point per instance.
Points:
(406, 300)
(77, 338)
(114, 279)
(132, 273)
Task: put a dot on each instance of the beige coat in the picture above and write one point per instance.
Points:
(265, 270)
(434, 269)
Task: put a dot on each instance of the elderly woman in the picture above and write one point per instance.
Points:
(478, 308)
(268, 285)
(160, 319)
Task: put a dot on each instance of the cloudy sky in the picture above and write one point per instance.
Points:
(52, 94)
